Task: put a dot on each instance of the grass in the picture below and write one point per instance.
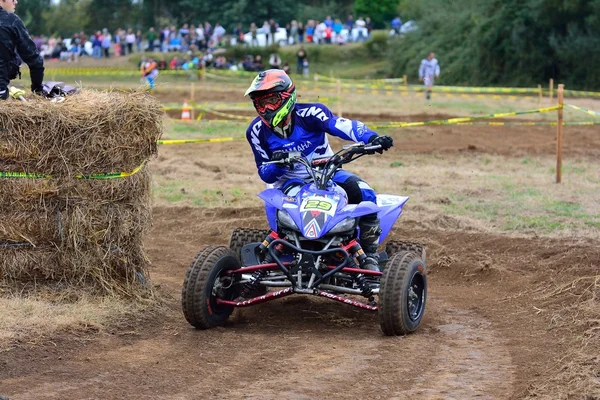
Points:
(38, 318)
(203, 129)
(188, 192)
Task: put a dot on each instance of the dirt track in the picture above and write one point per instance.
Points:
(477, 341)
(482, 336)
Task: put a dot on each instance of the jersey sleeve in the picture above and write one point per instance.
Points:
(269, 173)
(347, 129)
(29, 53)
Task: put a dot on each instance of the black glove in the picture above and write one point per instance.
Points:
(279, 155)
(384, 141)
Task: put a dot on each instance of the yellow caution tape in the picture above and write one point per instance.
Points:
(4, 174)
(594, 113)
(186, 141)
(451, 121)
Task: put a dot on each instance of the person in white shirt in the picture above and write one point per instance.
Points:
(429, 70)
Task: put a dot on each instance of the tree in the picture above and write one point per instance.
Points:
(380, 11)
(56, 23)
(31, 12)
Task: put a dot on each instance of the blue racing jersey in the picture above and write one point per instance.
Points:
(311, 122)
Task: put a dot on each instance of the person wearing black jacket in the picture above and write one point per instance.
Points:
(16, 44)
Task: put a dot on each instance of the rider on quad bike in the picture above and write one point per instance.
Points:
(284, 126)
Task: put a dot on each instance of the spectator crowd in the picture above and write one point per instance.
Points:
(200, 43)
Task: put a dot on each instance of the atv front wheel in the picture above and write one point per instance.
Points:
(395, 246)
(242, 236)
(205, 281)
(402, 294)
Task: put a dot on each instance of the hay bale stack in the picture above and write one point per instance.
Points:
(68, 230)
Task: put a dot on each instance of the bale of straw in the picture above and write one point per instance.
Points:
(78, 232)
(89, 133)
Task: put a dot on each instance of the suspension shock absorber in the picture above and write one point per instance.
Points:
(254, 282)
(277, 249)
(354, 249)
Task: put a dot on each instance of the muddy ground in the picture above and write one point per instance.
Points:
(482, 337)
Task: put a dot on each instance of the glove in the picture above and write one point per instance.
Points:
(279, 155)
(384, 141)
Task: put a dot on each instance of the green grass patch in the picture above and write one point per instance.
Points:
(204, 129)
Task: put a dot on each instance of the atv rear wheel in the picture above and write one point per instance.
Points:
(205, 281)
(402, 294)
(242, 236)
(395, 246)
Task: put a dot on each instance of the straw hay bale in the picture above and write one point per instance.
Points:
(89, 133)
(77, 232)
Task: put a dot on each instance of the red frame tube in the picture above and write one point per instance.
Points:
(288, 291)
(357, 271)
(346, 300)
(253, 268)
(260, 299)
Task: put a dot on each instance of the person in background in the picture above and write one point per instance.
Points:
(151, 37)
(253, 34)
(369, 26)
(300, 56)
(428, 70)
(275, 61)
(16, 44)
(150, 72)
(130, 40)
(396, 25)
(300, 32)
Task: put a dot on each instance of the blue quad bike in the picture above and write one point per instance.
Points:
(312, 248)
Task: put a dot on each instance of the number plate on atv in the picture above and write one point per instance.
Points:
(318, 203)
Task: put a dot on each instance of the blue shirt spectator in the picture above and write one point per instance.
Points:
(396, 24)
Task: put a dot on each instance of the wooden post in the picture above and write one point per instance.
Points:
(203, 73)
(559, 134)
(339, 97)
(540, 95)
(551, 89)
(193, 97)
(405, 80)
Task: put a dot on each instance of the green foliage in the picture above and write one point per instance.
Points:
(79, 17)
(410, 9)
(320, 10)
(377, 46)
(504, 42)
(381, 12)
(30, 12)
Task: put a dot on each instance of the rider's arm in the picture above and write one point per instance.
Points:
(269, 173)
(29, 53)
(347, 129)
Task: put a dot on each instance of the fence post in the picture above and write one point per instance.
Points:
(540, 95)
(551, 89)
(559, 134)
(339, 97)
(203, 72)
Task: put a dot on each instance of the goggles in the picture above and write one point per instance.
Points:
(269, 102)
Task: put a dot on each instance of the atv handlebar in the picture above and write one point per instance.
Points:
(322, 170)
